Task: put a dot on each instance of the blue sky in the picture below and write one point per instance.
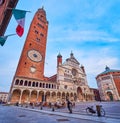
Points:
(88, 28)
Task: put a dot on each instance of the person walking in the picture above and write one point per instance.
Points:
(69, 105)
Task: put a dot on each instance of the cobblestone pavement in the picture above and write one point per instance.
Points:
(111, 108)
(10, 114)
(13, 114)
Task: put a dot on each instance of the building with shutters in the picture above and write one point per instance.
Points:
(3, 97)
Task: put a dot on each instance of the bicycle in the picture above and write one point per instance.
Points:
(90, 110)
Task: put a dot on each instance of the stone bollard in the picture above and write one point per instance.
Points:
(32, 106)
(98, 110)
(26, 106)
(41, 107)
(53, 109)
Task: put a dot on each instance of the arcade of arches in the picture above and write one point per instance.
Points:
(25, 91)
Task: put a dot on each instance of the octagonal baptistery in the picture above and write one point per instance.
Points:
(109, 84)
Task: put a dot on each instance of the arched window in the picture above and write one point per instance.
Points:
(46, 85)
(49, 85)
(29, 84)
(52, 85)
(40, 85)
(17, 82)
(43, 85)
(36, 84)
(25, 84)
(33, 84)
(21, 82)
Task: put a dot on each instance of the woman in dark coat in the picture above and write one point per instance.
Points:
(69, 106)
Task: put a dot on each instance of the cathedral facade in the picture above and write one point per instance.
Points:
(71, 77)
(29, 83)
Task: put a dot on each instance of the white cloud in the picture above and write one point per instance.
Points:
(96, 60)
(83, 35)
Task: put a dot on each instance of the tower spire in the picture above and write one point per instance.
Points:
(71, 54)
(59, 59)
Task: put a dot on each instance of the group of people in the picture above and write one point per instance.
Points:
(68, 103)
(58, 104)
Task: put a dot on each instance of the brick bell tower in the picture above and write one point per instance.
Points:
(31, 63)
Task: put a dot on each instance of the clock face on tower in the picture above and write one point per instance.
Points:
(34, 55)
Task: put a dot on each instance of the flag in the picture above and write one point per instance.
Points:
(20, 18)
(2, 40)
